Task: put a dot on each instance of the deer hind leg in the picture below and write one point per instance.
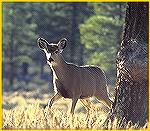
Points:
(74, 102)
(56, 97)
(104, 100)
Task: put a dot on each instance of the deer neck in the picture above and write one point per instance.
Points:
(59, 67)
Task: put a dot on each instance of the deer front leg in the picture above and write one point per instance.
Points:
(56, 97)
(74, 102)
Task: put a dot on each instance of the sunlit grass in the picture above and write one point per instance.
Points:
(25, 110)
(21, 111)
(34, 117)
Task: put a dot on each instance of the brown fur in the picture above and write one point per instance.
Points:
(72, 81)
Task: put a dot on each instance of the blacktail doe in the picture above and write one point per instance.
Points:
(72, 81)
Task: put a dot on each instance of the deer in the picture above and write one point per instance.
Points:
(73, 81)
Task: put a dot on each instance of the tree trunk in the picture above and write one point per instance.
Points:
(76, 47)
(131, 99)
(11, 58)
(42, 68)
(73, 31)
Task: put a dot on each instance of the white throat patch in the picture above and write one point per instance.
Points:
(48, 56)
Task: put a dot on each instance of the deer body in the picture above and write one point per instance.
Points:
(75, 82)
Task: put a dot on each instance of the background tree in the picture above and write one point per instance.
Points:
(18, 28)
(131, 100)
(99, 34)
(54, 21)
(24, 22)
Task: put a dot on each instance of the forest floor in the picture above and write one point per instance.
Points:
(26, 110)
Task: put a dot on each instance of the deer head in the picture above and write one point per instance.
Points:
(52, 50)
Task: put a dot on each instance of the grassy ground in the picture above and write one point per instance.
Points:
(25, 110)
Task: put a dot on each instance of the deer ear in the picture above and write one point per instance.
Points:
(42, 43)
(62, 43)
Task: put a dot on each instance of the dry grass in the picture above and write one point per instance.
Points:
(33, 117)
(25, 110)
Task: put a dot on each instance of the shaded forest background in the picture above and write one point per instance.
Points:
(93, 31)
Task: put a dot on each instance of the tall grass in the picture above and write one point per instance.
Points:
(23, 111)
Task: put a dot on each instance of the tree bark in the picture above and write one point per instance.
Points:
(131, 99)
(11, 58)
(73, 31)
(76, 48)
